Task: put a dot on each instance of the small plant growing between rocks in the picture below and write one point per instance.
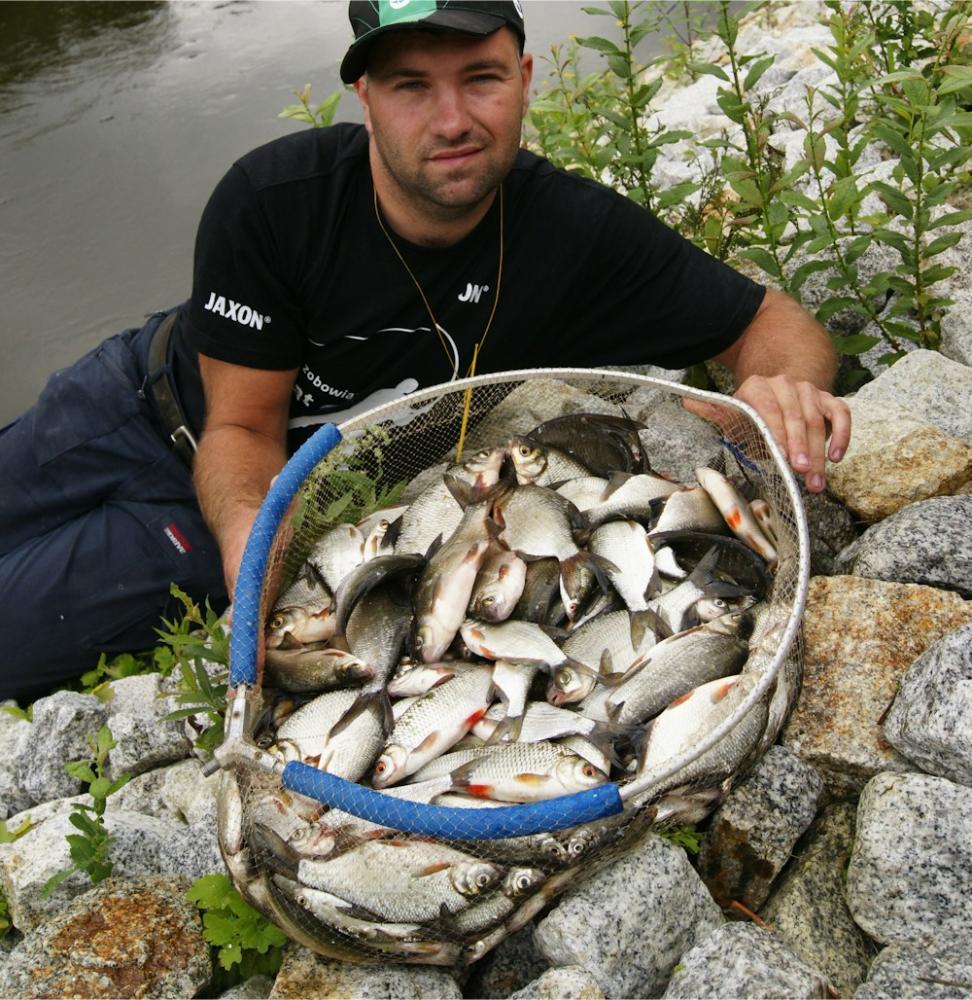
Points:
(89, 847)
(245, 943)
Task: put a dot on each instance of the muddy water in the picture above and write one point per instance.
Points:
(116, 120)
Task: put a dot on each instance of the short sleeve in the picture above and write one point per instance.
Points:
(243, 309)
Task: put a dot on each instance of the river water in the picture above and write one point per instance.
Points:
(116, 121)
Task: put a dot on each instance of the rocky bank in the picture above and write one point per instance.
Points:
(838, 867)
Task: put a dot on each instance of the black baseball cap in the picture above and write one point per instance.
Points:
(370, 19)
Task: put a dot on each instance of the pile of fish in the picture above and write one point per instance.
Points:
(545, 617)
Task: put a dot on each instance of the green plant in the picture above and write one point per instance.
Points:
(19, 713)
(302, 111)
(5, 924)
(89, 847)
(683, 836)
(198, 638)
(245, 943)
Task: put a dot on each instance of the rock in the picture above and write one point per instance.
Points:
(929, 387)
(831, 529)
(143, 794)
(144, 738)
(124, 938)
(927, 543)
(895, 459)
(570, 983)
(188, 793)
(937, 968)
(908, 879)
(753, 832)
(808, 909)
(642, 402)
(677, 442)
(930, 721)
(742, 960)
(140, 845)
(13, 735)
(306, 974)
(859, 638)
(254, 988)
(62, 724)
(628, 924)
(510, 966)
(957, 326)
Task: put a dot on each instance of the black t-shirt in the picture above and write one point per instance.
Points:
(292, 270)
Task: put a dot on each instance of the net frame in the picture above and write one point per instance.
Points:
(263, 568)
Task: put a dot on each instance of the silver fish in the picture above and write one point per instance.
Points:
(736, 512)
(499, 585)
(538, 465)
(448, 762)
(689, 509)
(365, 577)
(512, 683)
(417, 678)
(540, 722)
(625, 544)
(432, 724)
(517, 885)
(303, 611)
(336, 553)
(541, 594)
(378, 531)
(766, 519)
(405, 881)
(679, 664)
(629, 496)
(584, 492)
(518, 642)
(314, 667)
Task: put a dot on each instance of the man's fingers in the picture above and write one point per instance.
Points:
(838, 414)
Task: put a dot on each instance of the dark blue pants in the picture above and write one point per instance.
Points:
(97, 518)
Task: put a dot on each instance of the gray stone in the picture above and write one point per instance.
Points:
(927, 543)
(908, 878)
(753, 832)
(144, 738)
(13, 734)
(677, 442)
(930, 387)
(628, 924)
(832, 528)
(860, 636)
(957, 326)
(570, 983)
(63, 723)
(123, 938)
(510, 966)
(188, 793)
(140, 845)
(930, 721)
(254, 988)
(306, 974)
(937, 968)
(742, 960)
(143, 794)
(808, 909)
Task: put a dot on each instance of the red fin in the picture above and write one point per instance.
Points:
(681, 698)
(474, 718)
(437, 866)
(428, 743)
(723, 689)
(734, 518)
(480, 791)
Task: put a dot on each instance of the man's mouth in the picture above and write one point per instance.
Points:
(460, 154)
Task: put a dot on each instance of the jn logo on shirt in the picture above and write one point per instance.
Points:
(473, 293)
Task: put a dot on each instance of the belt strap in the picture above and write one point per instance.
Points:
(161, 386)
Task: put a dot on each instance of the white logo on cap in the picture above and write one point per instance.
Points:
(516, 4)
(398, 4)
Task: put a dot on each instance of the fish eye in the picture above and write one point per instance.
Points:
(483, 880)
(381, 767)
(563, 677)
(589, 771)
(720, 603)
(488, 602)
(277, 621)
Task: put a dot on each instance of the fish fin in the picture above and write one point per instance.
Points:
(554, 631)
(377, 698)
(432, 869)
(434, 547)
(274, 851)
(289, 642)
(607, 662)
(393, 530)
(461, 491)
(643, 622)
(531, 778)
(507, 731)
(617, 480)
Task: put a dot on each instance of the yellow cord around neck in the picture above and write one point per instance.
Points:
(478, 345)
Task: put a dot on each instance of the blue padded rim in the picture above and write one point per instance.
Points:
(246, 628)
(453, 822)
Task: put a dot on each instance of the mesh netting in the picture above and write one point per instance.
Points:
(443, 863)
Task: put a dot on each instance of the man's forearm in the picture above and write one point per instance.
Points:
(233, 470)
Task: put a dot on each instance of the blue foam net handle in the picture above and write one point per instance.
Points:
(247, 626)
(453, 822)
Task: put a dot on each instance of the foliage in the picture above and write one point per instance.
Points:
(245, 943)
(302, 111)
(19, 713)
(901, 85)
(683, 836)
(89, 847)
(5, 924)
(198, 639)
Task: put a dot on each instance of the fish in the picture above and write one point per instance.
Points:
(766, 519)
(512, 683)
(526, 772)
(737, 513)
(541, 593)
(602, 442)
(515, 641)
(445, 586)
(303, 611)
(689, 509)
(539, 465)
(677, 665)
(365, 577)
(404, 881)
(417, 678)
(631, 497)
(433, 723)
(540, 722)
(498, 586)
(517, 884)
(336, 553)
(314, 667)
(448, 762)
(380, 529)
(584, 492)
(625, 545)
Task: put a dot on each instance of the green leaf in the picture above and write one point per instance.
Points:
(55, 880)
(230, 955)
(600, 45)
(857, 343)
(17, 712)
(732, 107)
(708, 69)
(893, 139)
(763, 259)
(81, 770)
(845, 196)
(893, 199)
(210, 891)
(804, 271)
(85, 824)
(937, 272)
(857, 247)
(942, 243)
(100, 788)
(759, 67)
(959, 77)
(815, 147)
(835, 305)
(951, 218)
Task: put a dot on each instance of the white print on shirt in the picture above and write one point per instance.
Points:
(370, 401)
(244, 315)
(316, 381)
(451, 344)
(472, 292)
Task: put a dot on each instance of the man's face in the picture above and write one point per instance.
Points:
(444, 114)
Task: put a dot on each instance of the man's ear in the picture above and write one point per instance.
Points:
(526, 69)
(361, 89)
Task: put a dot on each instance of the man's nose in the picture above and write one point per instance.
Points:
(452, 118)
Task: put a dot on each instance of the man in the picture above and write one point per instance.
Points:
(337, 268)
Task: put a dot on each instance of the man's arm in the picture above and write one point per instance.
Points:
(242, 448)
(784, 365)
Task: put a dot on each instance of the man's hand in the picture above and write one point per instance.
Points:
(801, 417)
(784, 364)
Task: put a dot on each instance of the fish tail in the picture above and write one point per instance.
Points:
(506, 731)
(377, 698)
